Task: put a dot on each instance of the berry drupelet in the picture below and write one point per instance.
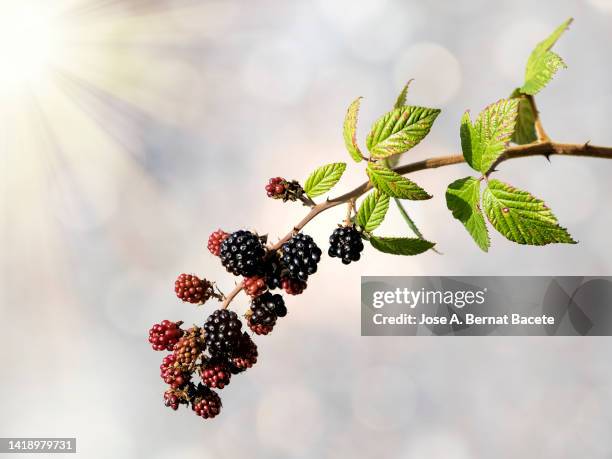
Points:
(165, 335)
(223, 332)
(301, 256)
(242, 253)
(345, 243)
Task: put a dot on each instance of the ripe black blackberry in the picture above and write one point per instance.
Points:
(242, 253)
(245, 356)
(301, 256)
(215, 240)
(206, 403)
(265, 309)
(345, 243)
(273, 269)
(165, 335)
(192, 289)
(215, 373)
(190, 347)
(223, 332)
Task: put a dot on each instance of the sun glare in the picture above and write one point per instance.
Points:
(29, 42)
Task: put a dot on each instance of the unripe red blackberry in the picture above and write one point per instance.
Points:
(215, 373)
(242, 253)
(215, 240)
(246, 355)
(293, 286)
(223, 332)
(260, 329)
(345, 243)
(172, 373)
(301, 256)
(165, 335)
(190, 347)
(206, 403)
(254, 286)
(276, 188)
(265, 309)
(192, 289)
(173, 398)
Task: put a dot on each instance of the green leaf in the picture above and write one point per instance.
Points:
(401, 98)
(400, 130)
(323, 179)
(350, 131)
(463, 200)
(400, 245)
(525, 131)
(372, 211)
(485, 140)
(543, 63)
(395, 185)
(520, 217)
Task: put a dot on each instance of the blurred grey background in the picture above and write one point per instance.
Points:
(163, 124)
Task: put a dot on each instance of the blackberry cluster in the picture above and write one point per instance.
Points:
(255, 285)
(214, 353)
(242, 253)
(204, 359)
(165, 335)
(301, 255)
(345, 243)
(192, 289)
(223, 332)
(264, 312)
(215, 240)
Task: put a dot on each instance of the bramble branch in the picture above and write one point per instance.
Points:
(546, 149)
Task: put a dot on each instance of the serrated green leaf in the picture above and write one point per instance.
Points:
(395, 185)
(463, 200)
(400, 130)
(400, 245)
(401, 98)
(350, 130)
(324, 179)
(521, 217)
(485, 140)
(372, 211)
(543, 63)
(524, 131)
